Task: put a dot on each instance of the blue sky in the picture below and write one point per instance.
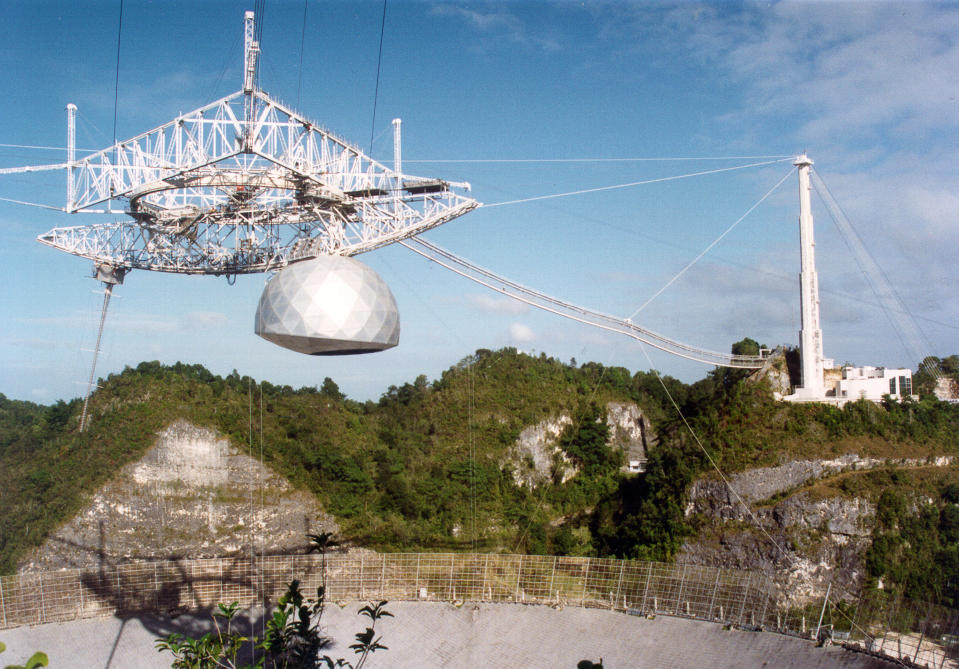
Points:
(867, 89)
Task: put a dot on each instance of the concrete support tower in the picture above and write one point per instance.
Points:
(810, 337)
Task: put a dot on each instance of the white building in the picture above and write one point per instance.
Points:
(872, 383)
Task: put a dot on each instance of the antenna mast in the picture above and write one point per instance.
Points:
(251, 53)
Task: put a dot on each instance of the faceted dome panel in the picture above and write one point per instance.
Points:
(331, 305)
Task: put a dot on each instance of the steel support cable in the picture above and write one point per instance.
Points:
(299, 71)
(573, 312)
(33, 168)
(376, 89)
(711, 245)
(893, 306)
(32, 204)
(589, 317)
(586, 160)
(612, 322)
(638, 183)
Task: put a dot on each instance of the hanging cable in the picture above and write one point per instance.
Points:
(299, 78)
(116, 85)
(911, 336)
(711, 245)
(636, 183)
(376, 90)
(589, 160)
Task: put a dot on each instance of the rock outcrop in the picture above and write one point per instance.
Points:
(536, 456)
(191, 495)
(805, 543)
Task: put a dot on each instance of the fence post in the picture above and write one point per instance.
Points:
(552, 578)
(742, 607)
(156, 588)
(762, 620)
(3, 605)
(416, 580)
(712, 600)
(582, 601)
(823, 612)
(619, 586)
(42, 609)
(451, 592)
(383, 579)
(79, 589)
(519, 575)
(682, 587)
(649, 575)
(362, 584)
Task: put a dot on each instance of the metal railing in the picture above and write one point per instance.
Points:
(925, 635)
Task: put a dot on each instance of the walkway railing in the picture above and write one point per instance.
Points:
(925, 635)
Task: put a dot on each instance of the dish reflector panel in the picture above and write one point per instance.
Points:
(331, 305)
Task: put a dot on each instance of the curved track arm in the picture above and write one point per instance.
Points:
(573, 312)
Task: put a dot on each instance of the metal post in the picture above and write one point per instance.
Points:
(712, 599)
(485, 571)
(362, 588)
(79, 589)
(519, 575)
(416, 580)
(922, 633)
(765, 606)
(3, 605)
(452, 566)
(823, 612)
(582, 602)
(71, 152)
(649, 569)
(107, 292)
(742, 607)
(682, 587)
(397, 151)
(382, 577)
(42, 609)
(619, 585)
(552, 578)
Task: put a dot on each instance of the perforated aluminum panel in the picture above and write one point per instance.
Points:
(331, 305)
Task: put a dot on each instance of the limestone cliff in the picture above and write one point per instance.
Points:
(191, 495)
(536, 456)
(817, 541)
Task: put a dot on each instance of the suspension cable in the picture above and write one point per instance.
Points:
(712, 244)
(376, 89)
(637, 183)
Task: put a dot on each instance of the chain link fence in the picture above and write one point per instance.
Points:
(923, 635)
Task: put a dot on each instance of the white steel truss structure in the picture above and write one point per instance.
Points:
(243, 185)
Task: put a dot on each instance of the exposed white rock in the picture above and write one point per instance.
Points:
(536, 456)
(191, 495)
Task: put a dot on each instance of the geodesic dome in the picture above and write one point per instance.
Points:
(331, 305)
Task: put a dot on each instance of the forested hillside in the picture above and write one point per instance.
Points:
(429, 467)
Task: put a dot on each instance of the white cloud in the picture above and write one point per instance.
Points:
(521, 333)
(205, 320)
(497, 305)
(495, 23)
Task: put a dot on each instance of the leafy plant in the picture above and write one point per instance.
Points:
(38, 659)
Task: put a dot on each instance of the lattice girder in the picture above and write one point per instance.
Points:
(211, 192)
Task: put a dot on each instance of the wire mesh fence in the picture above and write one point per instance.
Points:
(923, 634)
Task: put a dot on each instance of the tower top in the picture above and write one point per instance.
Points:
(802, 161)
